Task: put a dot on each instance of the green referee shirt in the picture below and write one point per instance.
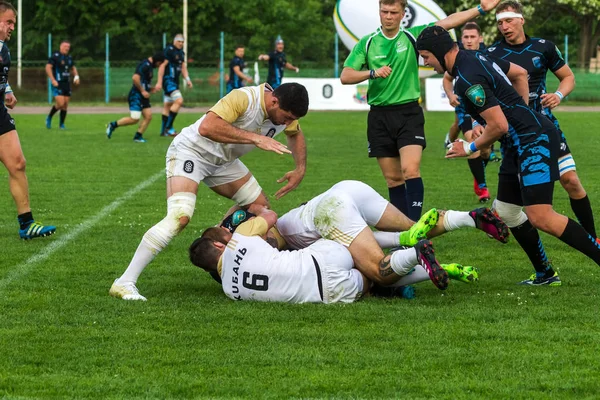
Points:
(402, 86)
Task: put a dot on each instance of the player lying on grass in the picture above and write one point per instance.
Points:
(345, 214)
(252, 269)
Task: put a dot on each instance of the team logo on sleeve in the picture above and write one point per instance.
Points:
(188, 166)
(476, 94)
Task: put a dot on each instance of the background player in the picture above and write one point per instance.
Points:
(11, 153)
(277, 62)
(139, 96)
(173, 99)
(59, 68)
(471, 39)
(236, 70)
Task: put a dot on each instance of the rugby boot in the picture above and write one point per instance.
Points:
(487, 221)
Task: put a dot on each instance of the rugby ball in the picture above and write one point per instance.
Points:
(357, 18)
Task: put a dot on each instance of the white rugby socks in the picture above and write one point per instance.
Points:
(457, 219)
(387, 240)
(403, 261)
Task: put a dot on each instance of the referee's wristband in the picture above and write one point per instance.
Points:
(481, 10)
(372, 74)
(560, 95)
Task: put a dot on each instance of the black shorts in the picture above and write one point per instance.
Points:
(527, 174)
(564, 146)
(390, 128)
(63, 89)
(7, 123)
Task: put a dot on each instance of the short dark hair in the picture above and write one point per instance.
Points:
(240, 46)
(403, 3)
(5, 6)
(65, 41)
(505, 5)
(471, 26)
(158, 57)
(215, 233)
(292, 97)
(204, 254)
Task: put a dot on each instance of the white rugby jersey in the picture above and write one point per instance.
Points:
(297, 226)
(251, 269)
(243, 108)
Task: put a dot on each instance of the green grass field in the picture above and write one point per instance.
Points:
(62, 336)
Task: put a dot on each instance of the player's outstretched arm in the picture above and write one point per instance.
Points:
(297, 144)
(217, 129)
(462, 17)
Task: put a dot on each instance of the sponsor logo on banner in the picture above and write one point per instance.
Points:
(361, 93)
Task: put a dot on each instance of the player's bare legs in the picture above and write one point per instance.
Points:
(181, 200)
(62, 103)
(146, 119)
(385, 270)
(13, 159)
(230, 189)
(11, 155)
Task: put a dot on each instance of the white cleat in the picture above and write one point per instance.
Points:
(125, 291)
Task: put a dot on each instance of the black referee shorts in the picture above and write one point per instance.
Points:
(389, 128)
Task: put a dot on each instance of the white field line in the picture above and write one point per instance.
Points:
(25, 267)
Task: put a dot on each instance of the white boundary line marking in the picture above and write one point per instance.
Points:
(25, 267)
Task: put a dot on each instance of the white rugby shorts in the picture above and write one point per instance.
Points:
(342, 283)
(182, 160)
(339, 214)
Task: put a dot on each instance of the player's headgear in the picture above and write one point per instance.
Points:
(233, 220)
(279, 39)
(438, 41)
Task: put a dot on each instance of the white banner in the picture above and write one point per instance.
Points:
(435, 97)
(330, 94)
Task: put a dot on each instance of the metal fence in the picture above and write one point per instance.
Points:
(110, 81)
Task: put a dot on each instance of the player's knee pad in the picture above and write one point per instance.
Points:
(179, 205)
(248, 193)
(511, 214)
(135, 115)
(565, 164)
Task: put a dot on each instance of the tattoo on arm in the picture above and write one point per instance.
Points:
(272, 241)
(385, 269)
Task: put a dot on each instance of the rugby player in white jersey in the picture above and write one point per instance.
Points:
(345, 214)
(252, 269)
(208, 151)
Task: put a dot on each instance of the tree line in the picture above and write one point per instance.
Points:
(136, 26)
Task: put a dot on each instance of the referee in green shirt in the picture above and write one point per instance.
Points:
(395, 126)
